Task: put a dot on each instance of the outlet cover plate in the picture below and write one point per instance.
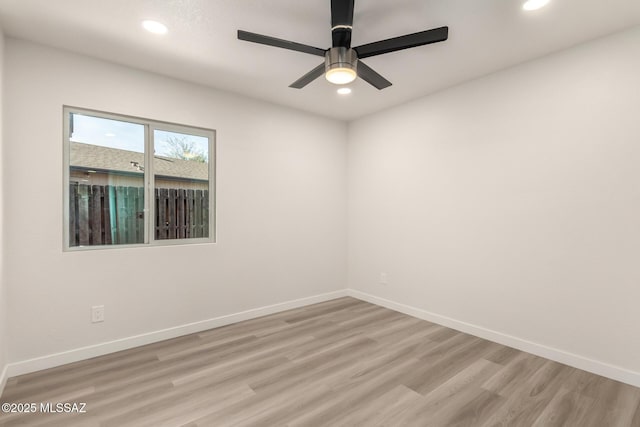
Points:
(97, 313)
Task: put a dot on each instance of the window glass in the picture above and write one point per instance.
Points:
(181, 181)
(132, 181)
(106, 181)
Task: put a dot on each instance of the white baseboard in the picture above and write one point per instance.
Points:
(606, 370)
(4, 376)
(53, 360)
(599, 368)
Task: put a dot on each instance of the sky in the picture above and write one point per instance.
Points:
(126, 136)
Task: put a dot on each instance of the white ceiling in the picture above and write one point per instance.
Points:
(201, 46)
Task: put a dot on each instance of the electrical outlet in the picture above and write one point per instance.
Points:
(384, 280)
(97, 313)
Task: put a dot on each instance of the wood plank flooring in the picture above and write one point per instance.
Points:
(340, 363)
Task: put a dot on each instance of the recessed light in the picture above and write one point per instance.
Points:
(154, 27)
(534, 4)
(344, 90)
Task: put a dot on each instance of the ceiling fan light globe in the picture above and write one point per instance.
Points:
(340, 75)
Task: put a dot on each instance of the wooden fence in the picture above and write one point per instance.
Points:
(106, 214)
(181, 213)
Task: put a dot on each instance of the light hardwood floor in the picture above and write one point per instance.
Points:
(340, 363)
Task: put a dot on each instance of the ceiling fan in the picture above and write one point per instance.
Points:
(342, 63)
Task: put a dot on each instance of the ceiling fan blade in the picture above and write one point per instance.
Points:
(341, 22)
(403, 42)
(309, 77)
(374, 79)
(285, 44)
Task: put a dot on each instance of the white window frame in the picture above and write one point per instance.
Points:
(149, 178)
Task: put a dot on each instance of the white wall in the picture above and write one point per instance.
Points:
(3, 293)
(511, 203)
(281, 208)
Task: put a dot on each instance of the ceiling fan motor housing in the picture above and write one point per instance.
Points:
(340, 65)
(341, 57)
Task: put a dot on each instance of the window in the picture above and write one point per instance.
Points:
(132, 181)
